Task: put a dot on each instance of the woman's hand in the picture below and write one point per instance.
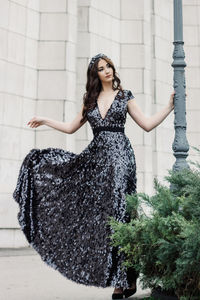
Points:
(36, 121)
(171, 101)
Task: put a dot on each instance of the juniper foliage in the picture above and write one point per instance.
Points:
(164, 246)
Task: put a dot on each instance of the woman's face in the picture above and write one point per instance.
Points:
(105, 71)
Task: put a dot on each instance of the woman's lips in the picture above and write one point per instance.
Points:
(108, 76)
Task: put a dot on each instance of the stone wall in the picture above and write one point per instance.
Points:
(45, 48)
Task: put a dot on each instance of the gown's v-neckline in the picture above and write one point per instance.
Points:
(108, 109)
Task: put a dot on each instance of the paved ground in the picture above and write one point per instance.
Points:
(24, 276)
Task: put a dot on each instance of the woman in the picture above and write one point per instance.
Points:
(65, 199)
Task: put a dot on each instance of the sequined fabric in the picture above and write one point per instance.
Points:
(65, 200)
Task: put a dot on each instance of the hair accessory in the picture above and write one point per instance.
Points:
(94, 58)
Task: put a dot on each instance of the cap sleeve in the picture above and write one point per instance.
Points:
(130, 95)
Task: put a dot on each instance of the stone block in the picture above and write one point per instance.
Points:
(147, 138)
(70, 111)
(132, 10)
(146, 104)
(12, 110)
(83, 18)
(30, 82)
(81, 145)
(190, 35)
(162, 162)
(72, 7)
(99, 23)
(163, 71)
(50, 109)
(53, 6)
(51, 55)
(27, 141)
(163, 49)
(192, 56)
(82, 65)
(193, 140)
(70, 142)
(3, 43)
(148, 186)
(71, 86)
(84, 2)
(131, 31)
(54, 26)
(193, 77)
(190, 15)
(2, 101)
(4, 14)
(20, 2)
(133, 79)
(190, 2)
(167, 122)
(114, 54)
(19, 239)
(140, 182)
(70, 56)
(134, 132)
(17, 18)
(115, 30)
(12, 238)
(193, 94)
(147, 11)
(8, 211)
(100, 44)
(163, 28)
(8, 179)
(3, 80)
(161, 90)
(34, 4)
(14, 78)
(52, 84)
(147, 34)
(83, 49)
(147, 81)
(143, 156)
(50, 138)
(164, 139)
(148, 57)
(132, 56)
(72, 28)
(164, 9)
(111, 7)
(33, 24)
(79, 95)
(193, 124)
(82, 133)
(31, 53)
(140, 100)
(9, 142)
(28, 112)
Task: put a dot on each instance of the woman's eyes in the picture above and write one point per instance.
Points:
(108, 66)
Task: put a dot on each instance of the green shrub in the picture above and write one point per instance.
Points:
(164, 245)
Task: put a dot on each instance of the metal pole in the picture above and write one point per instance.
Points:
(180, 145)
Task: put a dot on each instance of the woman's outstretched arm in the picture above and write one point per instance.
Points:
(66, 127)
(148, 123)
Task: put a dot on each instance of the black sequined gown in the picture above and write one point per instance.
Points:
(65, 198)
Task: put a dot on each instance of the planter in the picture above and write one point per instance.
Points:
(160, 294)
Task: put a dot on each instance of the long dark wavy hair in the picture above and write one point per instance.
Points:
(94, 86)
